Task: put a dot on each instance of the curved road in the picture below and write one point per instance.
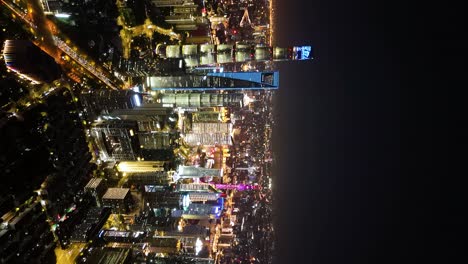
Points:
(52, 41)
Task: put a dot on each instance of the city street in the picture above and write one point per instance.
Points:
(68, 256)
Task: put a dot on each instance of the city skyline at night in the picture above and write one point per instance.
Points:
(231, 131)
(153, 136)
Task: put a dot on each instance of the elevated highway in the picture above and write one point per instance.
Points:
(50, 41)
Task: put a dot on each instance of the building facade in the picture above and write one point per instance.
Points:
(118, 199)
(216, 81)
(103, 102)
(116, 139)
(202, 99)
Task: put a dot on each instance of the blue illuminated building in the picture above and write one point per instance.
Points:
(215, 81)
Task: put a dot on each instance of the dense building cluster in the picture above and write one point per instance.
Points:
(153, 148)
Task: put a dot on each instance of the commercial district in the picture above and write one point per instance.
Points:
(138, 131)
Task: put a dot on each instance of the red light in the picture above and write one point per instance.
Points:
(235, 31)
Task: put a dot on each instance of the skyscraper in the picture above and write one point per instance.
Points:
(206, 116)
(196, 172)
(116, 139)
(202, 99)
(149, 117)
(100, 102)
(209, 133)
(216, 81)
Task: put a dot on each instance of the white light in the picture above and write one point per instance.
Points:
(180, 64)
(198, 246)
(61, 15)
(186, 201)
(137, 100)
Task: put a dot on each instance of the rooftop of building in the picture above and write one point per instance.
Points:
(116, 193)
(93, 183)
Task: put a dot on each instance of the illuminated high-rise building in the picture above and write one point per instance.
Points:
(118, 199)
(197, 172)
(158, 140)
(216, 81)
(228, 57)
(207, 139)
(206, 116)
(209, 133)
(144, 172)
(202, 99)
(149, 117)
(116, 139)
(103, 102)
(211, 127)
(96, 187)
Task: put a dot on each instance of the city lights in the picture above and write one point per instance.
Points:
(154, 133)
(62, 15)
(198, 246)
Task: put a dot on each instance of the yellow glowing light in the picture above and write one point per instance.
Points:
(122, 167)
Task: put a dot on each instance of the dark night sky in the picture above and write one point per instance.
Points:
(361, 130)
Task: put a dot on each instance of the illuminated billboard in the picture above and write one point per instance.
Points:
(239, 187)
(302, 52)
